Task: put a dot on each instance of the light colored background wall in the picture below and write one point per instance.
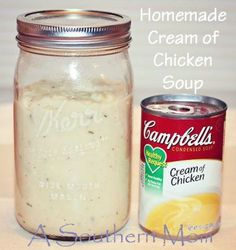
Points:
(220, 81)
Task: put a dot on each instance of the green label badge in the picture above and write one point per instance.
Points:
(154, 168)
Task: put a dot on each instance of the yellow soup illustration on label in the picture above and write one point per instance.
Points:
(197, 214)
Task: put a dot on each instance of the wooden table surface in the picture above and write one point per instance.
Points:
(13, 237)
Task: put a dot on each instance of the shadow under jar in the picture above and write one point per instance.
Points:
(72, 123)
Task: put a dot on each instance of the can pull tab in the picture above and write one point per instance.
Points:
(172, 108)
(180, 109)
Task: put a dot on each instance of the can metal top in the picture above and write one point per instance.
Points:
(73, 28)
(183, 106)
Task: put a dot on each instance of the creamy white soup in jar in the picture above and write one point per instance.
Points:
(72, 123)
(73, 158)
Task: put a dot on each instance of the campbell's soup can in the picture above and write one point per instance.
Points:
(181, 165)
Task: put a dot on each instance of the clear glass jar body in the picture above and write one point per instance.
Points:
(72, 119)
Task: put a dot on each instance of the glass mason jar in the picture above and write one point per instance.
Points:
(72, 120)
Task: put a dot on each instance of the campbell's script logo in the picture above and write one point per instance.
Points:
(189, 138)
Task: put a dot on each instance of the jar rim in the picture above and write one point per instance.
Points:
(73, 29)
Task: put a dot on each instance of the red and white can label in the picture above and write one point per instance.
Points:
(181, 164)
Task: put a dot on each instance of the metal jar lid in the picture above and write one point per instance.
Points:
(73, 29)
